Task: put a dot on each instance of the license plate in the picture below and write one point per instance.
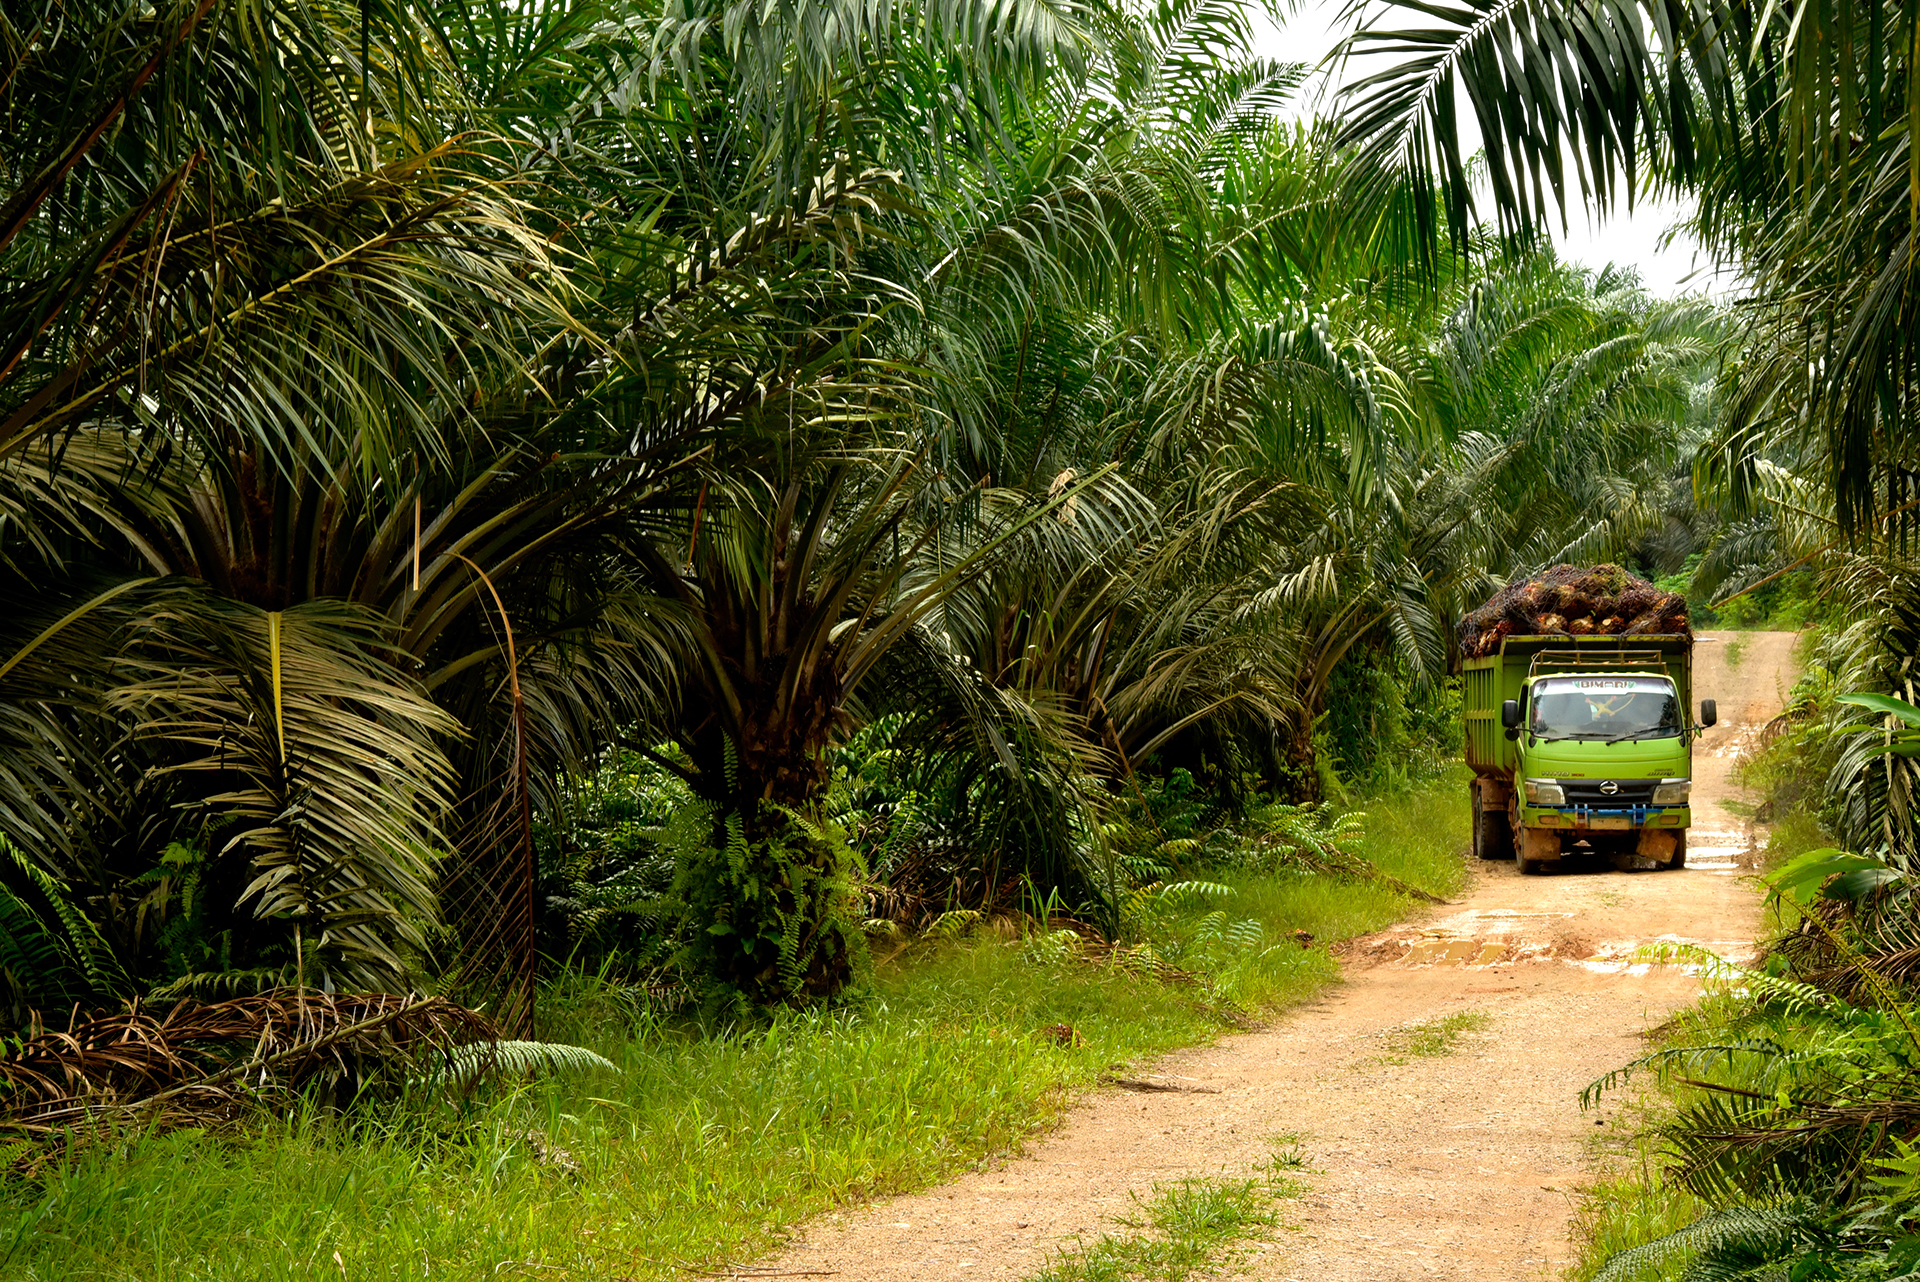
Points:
(1609, 821)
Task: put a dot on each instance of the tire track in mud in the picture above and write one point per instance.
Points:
(1458, 1166)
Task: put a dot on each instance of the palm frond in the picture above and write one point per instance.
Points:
(463, 1067)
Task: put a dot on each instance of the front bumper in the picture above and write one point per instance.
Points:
(1597, 819)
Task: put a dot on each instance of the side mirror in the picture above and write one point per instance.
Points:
(1510, 714)
(1708, 713)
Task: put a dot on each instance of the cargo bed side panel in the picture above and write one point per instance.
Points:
(1485, 685)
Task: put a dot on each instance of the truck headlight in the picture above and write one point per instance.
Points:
(1545, 792)
(1672, 792)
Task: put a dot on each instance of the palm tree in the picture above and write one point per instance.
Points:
(1790, 126)
(253, 286)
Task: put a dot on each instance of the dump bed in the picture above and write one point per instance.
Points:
(1488, 682)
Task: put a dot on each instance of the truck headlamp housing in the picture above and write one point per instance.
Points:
(1672, 792)
(1545, 792)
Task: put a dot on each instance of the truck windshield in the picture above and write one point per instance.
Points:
(1604, 708)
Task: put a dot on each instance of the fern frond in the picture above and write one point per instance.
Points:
(214, 984)
(953, 924)
(30, 954)
(1183, 893)
(70, 941)
(1741, 1230)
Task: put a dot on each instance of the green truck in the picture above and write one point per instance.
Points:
(1582, 745)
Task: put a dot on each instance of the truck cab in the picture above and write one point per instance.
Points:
(1583, 750)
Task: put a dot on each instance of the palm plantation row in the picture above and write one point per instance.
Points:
(674, 484)
(404, 410)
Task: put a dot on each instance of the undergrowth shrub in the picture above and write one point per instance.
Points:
(768, 903)
(1384, 730)
(644, 881)
(1786, 1123)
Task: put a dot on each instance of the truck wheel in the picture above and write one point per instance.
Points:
(1492, 837)
(1679, 859)
(1534, 849)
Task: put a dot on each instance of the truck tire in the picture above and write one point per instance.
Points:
(1530, 853)
(1679, 859)
(1492, 833)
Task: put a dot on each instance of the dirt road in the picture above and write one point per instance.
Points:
(1453, 1166)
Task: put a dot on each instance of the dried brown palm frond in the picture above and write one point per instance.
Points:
(206, 1062)
(1848, 948)
(1732, 1141)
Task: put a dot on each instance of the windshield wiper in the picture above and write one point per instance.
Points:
(1601, 736)
(1655, 732)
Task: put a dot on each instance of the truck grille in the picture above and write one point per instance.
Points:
(1631, 792)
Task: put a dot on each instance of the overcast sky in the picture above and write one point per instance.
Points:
(1630, 239)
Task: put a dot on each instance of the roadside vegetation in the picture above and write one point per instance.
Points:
(704, 1142)
(717, 499)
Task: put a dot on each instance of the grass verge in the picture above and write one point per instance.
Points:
(1631, 1205)
(710, 1143)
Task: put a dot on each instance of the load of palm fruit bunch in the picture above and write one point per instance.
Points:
(1569, 600)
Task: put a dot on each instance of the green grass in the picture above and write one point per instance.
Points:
(702, 1148)
(1736, 651)
(1419, 835)
(1191, 1228)
(1793, 834)
(1289, 1152)
(1432, 1037)
(1619, 1213)
(709, 1145)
